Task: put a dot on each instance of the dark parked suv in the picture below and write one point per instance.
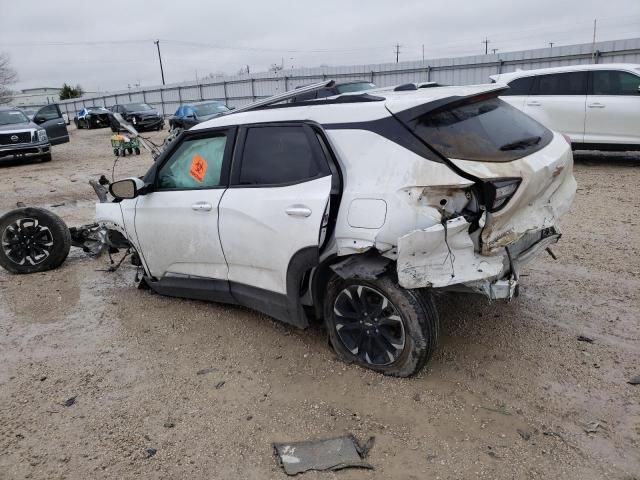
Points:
(140, 115)
(21, 138)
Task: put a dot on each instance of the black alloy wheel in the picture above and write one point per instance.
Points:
(369, 325)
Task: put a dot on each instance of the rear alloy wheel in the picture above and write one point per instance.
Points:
(381, 326)
(33, 240)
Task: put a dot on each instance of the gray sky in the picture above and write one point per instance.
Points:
(108, 45)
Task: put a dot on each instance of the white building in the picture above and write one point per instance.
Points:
(36, 97)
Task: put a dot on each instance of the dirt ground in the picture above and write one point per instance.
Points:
(510, 394)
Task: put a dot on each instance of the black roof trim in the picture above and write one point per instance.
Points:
(361, 98)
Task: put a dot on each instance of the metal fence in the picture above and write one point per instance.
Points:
(239, 90)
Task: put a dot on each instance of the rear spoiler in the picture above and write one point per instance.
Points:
(411, 114)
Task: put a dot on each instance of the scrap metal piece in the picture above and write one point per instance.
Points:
(362, 267)
(328, 454)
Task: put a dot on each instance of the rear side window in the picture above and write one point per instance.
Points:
(279, 155)
(487, 130)
(615, 83)
(519, 86)
(571, 83)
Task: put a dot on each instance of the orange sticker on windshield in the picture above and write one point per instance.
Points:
(198, 168)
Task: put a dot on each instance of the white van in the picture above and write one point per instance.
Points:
(596, 106)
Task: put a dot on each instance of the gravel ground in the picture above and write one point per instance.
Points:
(510, 393)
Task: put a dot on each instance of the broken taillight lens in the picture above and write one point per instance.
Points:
(498, 192)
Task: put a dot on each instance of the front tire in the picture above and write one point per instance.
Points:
(380, 325)
(33, 240)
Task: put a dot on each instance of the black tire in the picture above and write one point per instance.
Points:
(46, 157)
(130, 151)
(75, 120)
(116, 152)
(114, 129)
(137, 150)
(88, 124)
(33, 240)
(417, 326)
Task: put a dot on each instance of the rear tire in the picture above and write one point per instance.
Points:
(33, 240)
(380, 325)
(46, 158)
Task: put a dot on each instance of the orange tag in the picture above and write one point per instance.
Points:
(198, 168)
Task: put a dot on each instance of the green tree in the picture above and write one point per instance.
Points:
(67, 92)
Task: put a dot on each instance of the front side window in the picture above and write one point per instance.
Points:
(571, 83)
(486, 130)
(196, 163)
(50, 112)
(279, 155)
(213, 108)
(611, 82)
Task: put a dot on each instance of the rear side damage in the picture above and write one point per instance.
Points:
(483, 253)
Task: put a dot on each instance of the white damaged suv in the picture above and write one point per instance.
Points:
(350, 209)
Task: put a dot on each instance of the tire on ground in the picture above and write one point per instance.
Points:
(58, 251)
(419, 318)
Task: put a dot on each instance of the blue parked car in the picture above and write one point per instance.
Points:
(190, 114)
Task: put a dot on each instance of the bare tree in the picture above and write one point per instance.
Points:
(8, 76)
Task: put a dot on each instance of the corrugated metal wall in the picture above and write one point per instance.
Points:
(239, 90)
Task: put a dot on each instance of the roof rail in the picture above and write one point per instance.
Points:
(283, 96)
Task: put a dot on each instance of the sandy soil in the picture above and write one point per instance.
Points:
(509, 394)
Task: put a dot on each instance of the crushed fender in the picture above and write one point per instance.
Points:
(443, 255)
(361, 267)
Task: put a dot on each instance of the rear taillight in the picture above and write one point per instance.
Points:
(498, 192)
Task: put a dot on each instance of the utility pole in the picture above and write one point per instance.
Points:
(593, 43)
(486, 45)
(248, 71)
(397, 46)
(423, 54)
(157, 42)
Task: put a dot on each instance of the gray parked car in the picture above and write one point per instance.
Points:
(22, 138)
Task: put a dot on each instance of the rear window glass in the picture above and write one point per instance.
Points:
(487, 130)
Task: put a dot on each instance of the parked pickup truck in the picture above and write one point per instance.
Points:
(21, 138)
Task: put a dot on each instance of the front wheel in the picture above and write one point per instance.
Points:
(33, 240)
(380, 325)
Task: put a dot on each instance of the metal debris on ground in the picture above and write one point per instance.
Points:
(70, 401)
(584, 338)
(592, 427)
(328, 454)
(635, 380)
(220, 384)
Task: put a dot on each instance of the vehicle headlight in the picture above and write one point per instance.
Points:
(42, 135)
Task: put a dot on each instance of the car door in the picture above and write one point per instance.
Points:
(177, 223)
(50, 118)
(272, 214)
(558, 101)
(613, 108)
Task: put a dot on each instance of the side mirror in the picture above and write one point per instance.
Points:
(38, 119)
(126, 189)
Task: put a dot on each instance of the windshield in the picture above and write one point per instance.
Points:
(137, 107)
(487, 130)
(9, 117)
(206, 109)
(355, 87)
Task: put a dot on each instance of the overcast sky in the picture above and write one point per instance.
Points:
(109, 45)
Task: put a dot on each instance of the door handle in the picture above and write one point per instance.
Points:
(201, 207)
(534, 104)
(298, 211)
(595, 105)
(60, 123)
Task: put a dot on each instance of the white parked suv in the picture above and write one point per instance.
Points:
(597, 106)
(351, 209)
